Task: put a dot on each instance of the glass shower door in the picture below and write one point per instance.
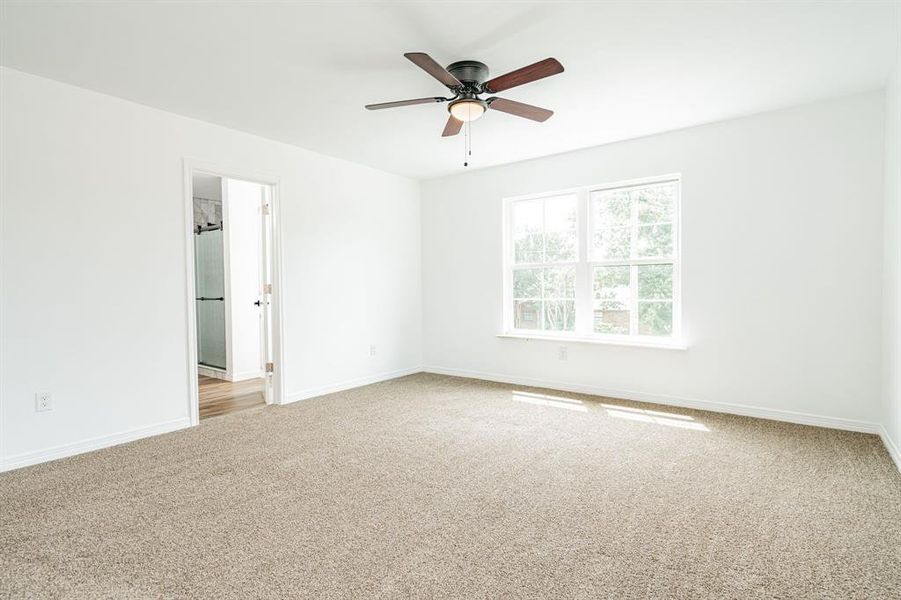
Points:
(209, 269)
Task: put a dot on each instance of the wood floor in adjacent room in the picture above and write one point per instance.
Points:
(220, 397)
(439, 487)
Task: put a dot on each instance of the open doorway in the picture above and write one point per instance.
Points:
(232, 256)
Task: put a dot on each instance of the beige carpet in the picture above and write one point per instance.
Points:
(431, 486)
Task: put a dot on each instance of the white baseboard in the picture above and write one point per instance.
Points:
(227, 375)
(890, 446)
(25, 459)
(349, 384)
(245, 375)
(211, 372)
(721, 407)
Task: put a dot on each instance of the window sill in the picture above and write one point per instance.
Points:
(661, 345)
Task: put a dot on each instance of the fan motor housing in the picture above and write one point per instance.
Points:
(469, 71)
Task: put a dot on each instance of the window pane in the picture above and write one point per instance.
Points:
(560, 315)
(527, 314)
(655, 282)
(611, 243)
(560, 228)
(640, 217)
(612, 294)
(560, 283)
(529, 248)
(611, 209)
(528, 228)
(560, 246)
(527, 217)
(655, 203)
(611, 317)
(655, 318)
(611, 284)
(655, 240)
(527, 283)
(560, 213)
(611, 217)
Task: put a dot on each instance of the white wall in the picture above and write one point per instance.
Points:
(81, 259)
(243, 229)
(891, 313)
(781, 266)
(782, 260)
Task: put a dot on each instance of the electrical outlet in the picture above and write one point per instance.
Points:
(372, 350)
(43, 401)
(562, 353)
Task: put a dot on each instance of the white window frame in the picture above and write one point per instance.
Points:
(584, 310)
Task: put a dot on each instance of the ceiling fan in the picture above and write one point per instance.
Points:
(468, 79)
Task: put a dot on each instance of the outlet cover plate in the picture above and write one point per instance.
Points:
(43, 401)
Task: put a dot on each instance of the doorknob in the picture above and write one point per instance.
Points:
(257, 303)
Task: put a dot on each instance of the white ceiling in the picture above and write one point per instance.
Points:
(301, 72)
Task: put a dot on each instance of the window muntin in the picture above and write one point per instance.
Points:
(597, 262)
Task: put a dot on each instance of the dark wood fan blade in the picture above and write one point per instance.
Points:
(539, 70)
(519, 109)
(404, 103)
(453, 127)
(428, 64)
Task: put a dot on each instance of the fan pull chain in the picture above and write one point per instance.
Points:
(467, 138)
(466, 145)
(469, 150)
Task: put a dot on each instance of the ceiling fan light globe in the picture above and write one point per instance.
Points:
(467, 110)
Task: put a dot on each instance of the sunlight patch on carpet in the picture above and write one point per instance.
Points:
(552, 401)
(654, 416)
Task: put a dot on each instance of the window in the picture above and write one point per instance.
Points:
(599, 262)
(545, 253)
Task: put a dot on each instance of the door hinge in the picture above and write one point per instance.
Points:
(265, 209)
(270, 367)
(267, 288)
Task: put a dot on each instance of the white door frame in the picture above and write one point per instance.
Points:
(192, 166)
